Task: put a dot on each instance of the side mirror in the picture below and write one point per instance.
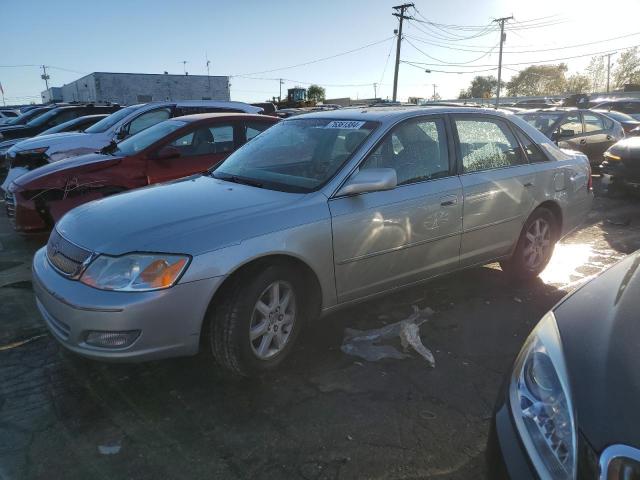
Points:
(121, 134)
(167, 152)
(370, 180)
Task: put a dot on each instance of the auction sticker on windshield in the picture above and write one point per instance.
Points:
(345, 124)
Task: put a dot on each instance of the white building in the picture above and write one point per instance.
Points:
(131, 88)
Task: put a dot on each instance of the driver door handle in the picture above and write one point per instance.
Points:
(448, 201)
(583, 141)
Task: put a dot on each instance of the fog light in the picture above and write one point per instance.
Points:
(112, 339)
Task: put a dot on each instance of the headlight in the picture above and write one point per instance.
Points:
(610, 156)
(33, 151)
(135, 272)
(541, 404)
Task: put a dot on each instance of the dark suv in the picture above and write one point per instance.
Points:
(629, 106)
(583, 130)
(53, 117)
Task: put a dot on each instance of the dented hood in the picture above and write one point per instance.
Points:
(40, 174)
(192, 216)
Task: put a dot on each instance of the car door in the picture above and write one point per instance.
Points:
(570, 133)
(195, 151)
(387, 239)
(496, 182)
(597, 135)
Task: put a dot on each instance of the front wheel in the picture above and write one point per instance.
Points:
(535, 246)
(254, 326)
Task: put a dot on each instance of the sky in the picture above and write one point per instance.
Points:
(254, 40)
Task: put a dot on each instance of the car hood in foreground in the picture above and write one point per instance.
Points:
(193, 216)
(600, 330)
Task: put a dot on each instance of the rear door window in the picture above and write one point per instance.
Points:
(571, 126)
(251, 129)
(592, 123)
(206, 141)
(486, 144)
(533, 152)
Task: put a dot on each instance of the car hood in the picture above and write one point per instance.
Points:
(10, 143)
(600, 334)
(193, 216)
(12, 128)
(626, 147)
(52, 139)
(97, 160)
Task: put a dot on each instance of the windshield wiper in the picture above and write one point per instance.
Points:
(237, 179)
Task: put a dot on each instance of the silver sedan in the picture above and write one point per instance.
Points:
(318, 212)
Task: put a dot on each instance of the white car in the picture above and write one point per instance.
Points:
(117, 126)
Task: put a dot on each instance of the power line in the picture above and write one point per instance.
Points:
(444, 62)
(537, 62)
(316, 60)
(421, 67)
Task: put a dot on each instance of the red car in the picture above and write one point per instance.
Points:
(171, 149)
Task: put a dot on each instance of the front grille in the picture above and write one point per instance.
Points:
(10, 204)
(65, 256)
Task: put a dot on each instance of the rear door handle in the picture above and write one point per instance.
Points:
(448, 201)
(528, 184)
(583, 141)
(609, 137)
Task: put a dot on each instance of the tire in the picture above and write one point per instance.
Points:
(230, 320)
(535, 246)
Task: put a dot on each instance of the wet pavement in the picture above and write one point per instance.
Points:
(325, 415)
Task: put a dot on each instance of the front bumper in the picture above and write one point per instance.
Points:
(616, 173)
(506, 455)
(169, 321)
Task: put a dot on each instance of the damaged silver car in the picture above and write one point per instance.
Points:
(315, 213)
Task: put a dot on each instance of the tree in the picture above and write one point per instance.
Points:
(481, 87)
(538, 80)
(578, 83)
(627, 68)
(597, 73)
(315, 93)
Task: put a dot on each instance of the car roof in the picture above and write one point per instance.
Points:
(198, 117)
(393, 113)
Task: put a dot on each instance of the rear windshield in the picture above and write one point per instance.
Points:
(541, 120)
(298, 155)
(108, 122)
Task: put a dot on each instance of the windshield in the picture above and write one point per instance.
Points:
(42, 119)
(26, 116)
(147, 137)
(296, 155)
(541, 120)
(108, 122)
(63, 127)
(619, 116)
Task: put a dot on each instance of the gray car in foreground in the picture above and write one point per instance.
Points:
(316, 213)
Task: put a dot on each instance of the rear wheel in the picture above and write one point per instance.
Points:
(535, 246)
(253, 327)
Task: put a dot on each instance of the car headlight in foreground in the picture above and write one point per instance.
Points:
(541, 406)
(135, 272)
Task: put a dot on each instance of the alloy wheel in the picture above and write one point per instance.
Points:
(272, 320)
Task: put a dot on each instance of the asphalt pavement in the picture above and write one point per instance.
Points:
(324, 415)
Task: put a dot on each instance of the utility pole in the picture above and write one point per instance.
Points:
(375, 90)
(608, 55)
(280, 96)
(401, 9)
(206, 56)
(45, 77)
(184, 64)
(502, 39)
(434, 90)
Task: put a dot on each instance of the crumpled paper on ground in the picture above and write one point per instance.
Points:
(366, 343)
